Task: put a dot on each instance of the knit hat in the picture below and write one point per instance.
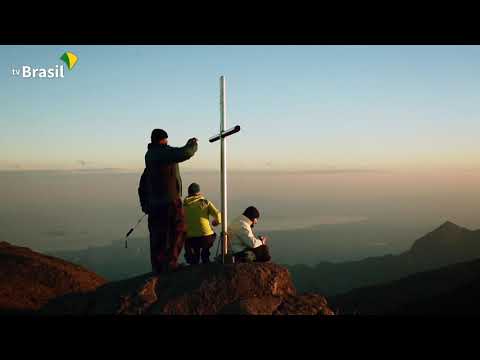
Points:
(157, 135)
(252, 213)
(193, 189)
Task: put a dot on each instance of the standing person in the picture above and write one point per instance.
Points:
(160, 192)
(245, 246)
(200, 236)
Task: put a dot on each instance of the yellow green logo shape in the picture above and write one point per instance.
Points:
(70, 59)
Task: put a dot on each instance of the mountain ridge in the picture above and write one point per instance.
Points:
(420, 293)
(447, 244)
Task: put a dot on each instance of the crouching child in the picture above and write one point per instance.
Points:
(199, 235)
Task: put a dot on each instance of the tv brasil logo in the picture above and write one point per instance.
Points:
(56, 72)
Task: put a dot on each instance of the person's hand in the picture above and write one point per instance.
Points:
(192, 141)
(263, 239)
(215, 222)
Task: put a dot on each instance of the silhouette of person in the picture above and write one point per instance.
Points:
(160, 192)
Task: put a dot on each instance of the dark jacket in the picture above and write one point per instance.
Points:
(160, 183)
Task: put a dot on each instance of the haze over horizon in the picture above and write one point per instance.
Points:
(74, 210)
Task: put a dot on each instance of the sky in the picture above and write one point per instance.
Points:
(301, 108)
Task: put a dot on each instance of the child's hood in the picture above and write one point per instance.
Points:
(190, 200)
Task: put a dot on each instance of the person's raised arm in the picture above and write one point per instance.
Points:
(180, 154)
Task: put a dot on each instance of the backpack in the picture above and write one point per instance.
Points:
(144, 191)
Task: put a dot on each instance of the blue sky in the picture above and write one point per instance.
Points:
(300, 107)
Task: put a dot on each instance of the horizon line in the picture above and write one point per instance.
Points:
(203, 170)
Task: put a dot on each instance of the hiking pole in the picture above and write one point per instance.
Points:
(131, 230)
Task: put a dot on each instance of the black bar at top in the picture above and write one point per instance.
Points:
(225, 133)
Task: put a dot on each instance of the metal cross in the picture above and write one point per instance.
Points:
(223, 163)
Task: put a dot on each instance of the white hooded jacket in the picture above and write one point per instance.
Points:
(241, 236)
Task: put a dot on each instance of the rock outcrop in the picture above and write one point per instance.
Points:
(29, 280)
(250, 289)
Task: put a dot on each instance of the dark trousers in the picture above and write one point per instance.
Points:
(167, 229)
(261, 252)
(198, 247)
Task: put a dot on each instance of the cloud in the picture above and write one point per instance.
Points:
(6, 165)
(314, 171)
(336, 171)
(55, 233)
(271, 171)
(101, 170)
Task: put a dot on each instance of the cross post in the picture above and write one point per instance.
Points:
(222, 135)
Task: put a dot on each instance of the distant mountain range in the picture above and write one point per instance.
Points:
(446, 245)
(448, 291)
(309, 246)
(114, 261)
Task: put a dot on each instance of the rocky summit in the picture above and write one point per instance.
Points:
(249, 289)
(29, 280)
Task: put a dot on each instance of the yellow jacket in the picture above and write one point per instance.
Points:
(197, 212)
